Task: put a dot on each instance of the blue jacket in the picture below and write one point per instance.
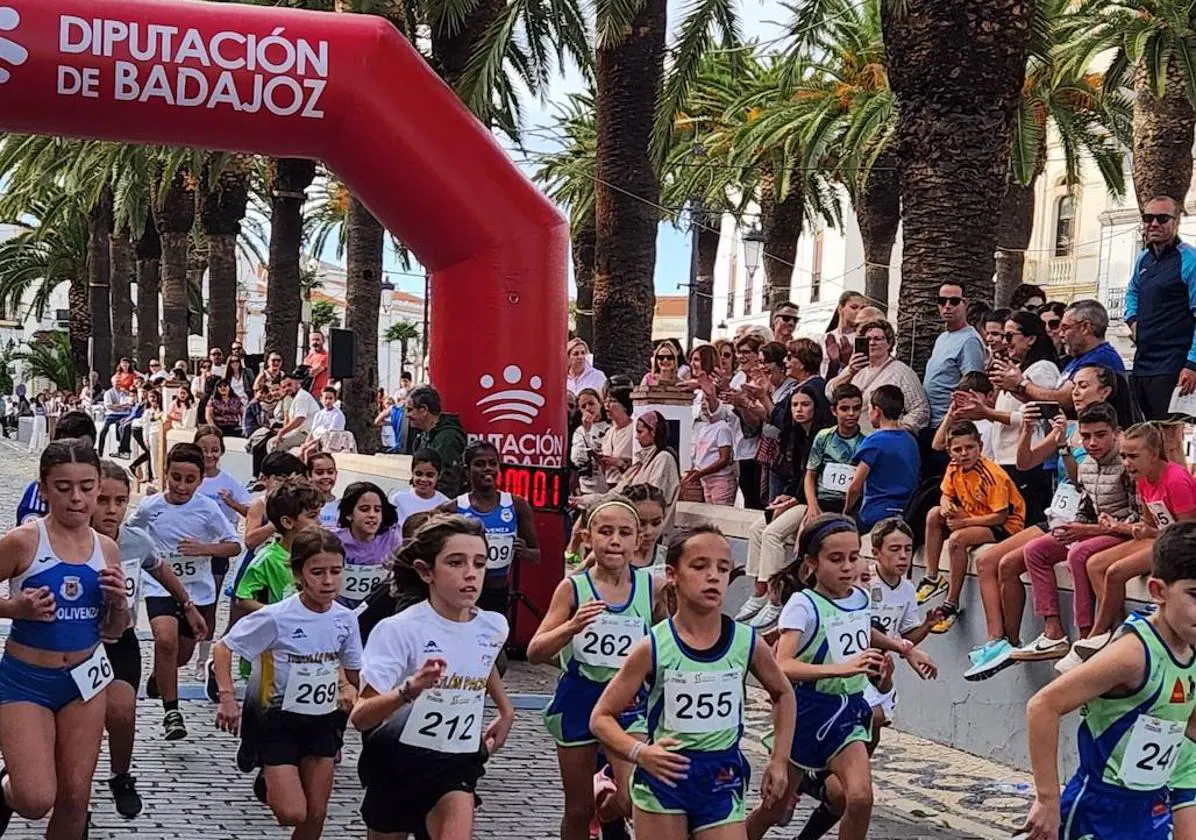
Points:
(1161, 299)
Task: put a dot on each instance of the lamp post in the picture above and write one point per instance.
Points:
(753, 250)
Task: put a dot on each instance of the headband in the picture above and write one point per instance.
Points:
(623, 503)
(827, 529)
(650, 419)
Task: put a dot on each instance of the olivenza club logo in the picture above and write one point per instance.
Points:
(10, 51)
(515, 401)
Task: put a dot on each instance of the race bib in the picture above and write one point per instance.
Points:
(1065, 504)
(849, 633)
(500, 550)
(607, 641)
(93, 675)
(696, 702)
(1151, 752)
(190, 570)
(132, 581)
(311, 689)
(1161, 515)
(836, 477)
(357, 582)
(889, 618)
(447, 720)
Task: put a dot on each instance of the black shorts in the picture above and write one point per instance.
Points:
(125, 656)
(495, 598)
(403, 784)
(219, 566)
(159, 606)
(288, 738)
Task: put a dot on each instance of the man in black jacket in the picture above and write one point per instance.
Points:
(439, 431)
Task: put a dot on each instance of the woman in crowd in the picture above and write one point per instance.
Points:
(178, 415)
(724, 349)
(144, 429)
(199, 382)
(878, 367)
(1051, 314)
(655, 463)
(1027, 297)
(666, 364)
(745, 431)
(586, 447)
(125, 376)
(993, 333)
(769, 411)
(271, 374)
(239, 379)
(837, 346)
(580, 374)
(711, 477)
(225, 410)
(617, 443)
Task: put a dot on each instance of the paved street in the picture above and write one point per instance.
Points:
(192, 788)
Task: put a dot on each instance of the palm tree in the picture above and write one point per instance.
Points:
(363, 299)
(956, 72)
(99, 270)
(324, 314)
(120, 292)
(404, 332)
(148, 250)
(51, 356)
(174, 216)
(289, 179)
(223, 201)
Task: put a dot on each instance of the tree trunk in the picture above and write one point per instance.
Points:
(1163, 130)
(781, 225)
(1014, 230)
(79, 328)
(221, 210)
(626, 190)
(703, 296)
(363, 299)
(878, 213)
(174, 214)
(120, 252)
(583, 237)
(956, 70)
(291, 176)
(149, 256)
(454, 44)
(99, 269)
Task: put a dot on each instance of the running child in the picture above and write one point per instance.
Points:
(690, 777)
(187, 530)
(650, 504)
(54, 669)
(321, 467)
(276, 468)
(828, 649)
(420, 765)
(1138, 699)
(592, 622)
(370, 533)
(302, 646)
(292, 507)
(422, 495)
(138, 555)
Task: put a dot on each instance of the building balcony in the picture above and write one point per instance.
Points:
(1061, 271)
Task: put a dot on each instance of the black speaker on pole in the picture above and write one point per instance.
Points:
(342, 353)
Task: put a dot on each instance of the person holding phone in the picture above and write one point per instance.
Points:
(873, 365)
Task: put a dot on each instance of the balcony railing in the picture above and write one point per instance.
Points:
(1063, 271)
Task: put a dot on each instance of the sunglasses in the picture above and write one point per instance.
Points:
(1161, 218)
(666, 358)
(1012, 336)
(950, 301)
(1052, 323)
(788, 319)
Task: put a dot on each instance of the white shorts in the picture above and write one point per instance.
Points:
(887, 702)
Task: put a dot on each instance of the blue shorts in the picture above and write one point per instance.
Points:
(1182, 798)
(826, 723)
(50, 688)
(1089, 808)
(711, 795)
(567, 716)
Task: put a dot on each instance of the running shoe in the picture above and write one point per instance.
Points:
(173, 725)
(124, 792)
(1068, 662)
(751, 607)
(1041, 649)
(211, 689)
(1086, 648)
(151, 688)
(5, 809)
(950, 614)
(988, 660)
(929, 587)
(767, 618)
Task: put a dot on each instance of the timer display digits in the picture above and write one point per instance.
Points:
(544, 488)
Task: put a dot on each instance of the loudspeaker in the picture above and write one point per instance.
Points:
(342, 353)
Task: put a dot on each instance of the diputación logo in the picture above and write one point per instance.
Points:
(518, 403)
(10, 51)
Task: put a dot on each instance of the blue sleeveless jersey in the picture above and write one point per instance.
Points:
(77, 597)
(32, 505)
(501, 524)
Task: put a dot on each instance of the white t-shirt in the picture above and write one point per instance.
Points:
(199, 519)
(408, 503)
(137, 556)
(328, 420)
(400, 644)
(798, 614)
(330, 514)
(304, 405)
(895, 607)
(291, 634)
(708, 439)
(1042, 373)
(211, 487)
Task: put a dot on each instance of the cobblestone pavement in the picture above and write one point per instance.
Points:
(192, 789)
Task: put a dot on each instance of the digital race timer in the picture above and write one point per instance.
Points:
(544, 488)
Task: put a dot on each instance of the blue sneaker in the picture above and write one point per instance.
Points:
(989, 659)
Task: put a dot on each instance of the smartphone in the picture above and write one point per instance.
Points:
(1048, 410)
(861, 345)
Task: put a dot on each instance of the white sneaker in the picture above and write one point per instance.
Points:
(1041, 649)
(767, 618)
(751, 607)
(1087, 648)
(1068, 662)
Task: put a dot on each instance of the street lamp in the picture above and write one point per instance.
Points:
(753, 250)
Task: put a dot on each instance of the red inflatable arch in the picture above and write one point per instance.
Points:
(350, 91)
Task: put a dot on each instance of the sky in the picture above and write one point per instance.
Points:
(759, 20)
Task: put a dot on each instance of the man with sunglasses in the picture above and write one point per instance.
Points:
(958, 350)
(1160, 309)
(784, 322)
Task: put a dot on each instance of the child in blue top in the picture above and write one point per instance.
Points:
(887, 462)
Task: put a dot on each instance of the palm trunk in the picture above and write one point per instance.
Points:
(363, 299)
(703, 296)
(1014, 230)
(149, 256)
(221, 210)
(120, 252)
(956, 71)
(174, 213)
(582, 250)
(627, 190)
(1163, 132)
(79, 327)
(781, 225)
(283, 292)
(878, 213)
(99, 269)
(453, 43)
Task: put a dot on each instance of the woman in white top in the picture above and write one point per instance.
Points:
(426, 675)
(878, 367)
(587, 442)
(617, 444)
(580, 374)
(654, 464)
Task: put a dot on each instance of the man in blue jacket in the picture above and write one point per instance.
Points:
(1160, 308)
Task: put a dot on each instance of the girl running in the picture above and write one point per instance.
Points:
(425, 679)
(54, 670)
(321, 467)
(369, 531)
(650, 504)
(690, 777)
(828, 649)
(307, 654)
(594, 619)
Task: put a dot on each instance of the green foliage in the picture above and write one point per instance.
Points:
(49, 357)
(324, 314)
